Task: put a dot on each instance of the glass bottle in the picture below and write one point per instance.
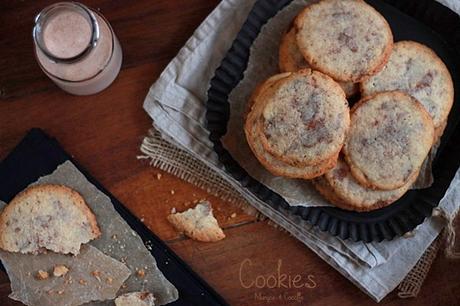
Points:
(76, 48)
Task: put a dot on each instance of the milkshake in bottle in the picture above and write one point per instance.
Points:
(76, 48)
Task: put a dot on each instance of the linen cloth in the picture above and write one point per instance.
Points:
(176, 103)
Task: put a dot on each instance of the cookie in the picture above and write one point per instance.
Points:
(291, 60)
(390, 135)
(198, 223)
(275, 166)
(340, 188)
(415, 69)
(345, 39)
(51, 217)
(303, 118)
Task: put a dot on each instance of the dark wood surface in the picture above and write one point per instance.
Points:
(103, 132)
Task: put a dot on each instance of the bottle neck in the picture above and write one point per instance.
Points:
(66, 32)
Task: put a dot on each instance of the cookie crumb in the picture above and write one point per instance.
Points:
(172, 191)
(173, 210)
(68, 280)
(140, 273)
(41, 275)
(60, 270)
(233, 215)
(109, 280)
(158, 176)
(96, 275)
(60, 292)
(114, 237)
(82, 282)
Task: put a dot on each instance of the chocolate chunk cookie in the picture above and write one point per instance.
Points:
(390, 135)
(304, 118)
(346, 39)
(252, 129)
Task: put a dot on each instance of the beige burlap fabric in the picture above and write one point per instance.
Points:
(178, 162)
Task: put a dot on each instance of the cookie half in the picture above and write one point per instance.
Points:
(415, 69)
(340, 188)
(51, 217)
(303, 118)
(346, 39)
(390, 135)
(291, 60)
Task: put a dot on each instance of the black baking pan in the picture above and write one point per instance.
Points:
(38, 155)
(425, 21)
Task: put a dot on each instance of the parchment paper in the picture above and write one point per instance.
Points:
(263, 63)
(76, 287)
(118, 240)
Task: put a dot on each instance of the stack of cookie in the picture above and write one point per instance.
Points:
(299, 125)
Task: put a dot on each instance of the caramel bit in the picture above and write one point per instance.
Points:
(96, 275)
(82, 282)
(140, 273)
(60, 270)
(158, 176)
(109, 280)
(41, 275)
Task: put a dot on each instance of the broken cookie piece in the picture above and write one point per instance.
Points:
(41, 275)
(135, 299)
(60, 270)
(198, 223)
(51, 217)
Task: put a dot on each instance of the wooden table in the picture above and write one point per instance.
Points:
(103, 132)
